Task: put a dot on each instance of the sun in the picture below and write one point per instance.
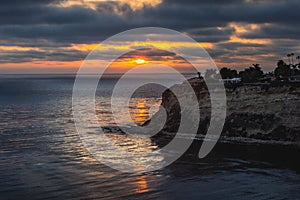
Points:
(140, 61)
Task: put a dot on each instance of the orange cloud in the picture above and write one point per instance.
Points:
(166, 45)
(246, 28)
(134, 4)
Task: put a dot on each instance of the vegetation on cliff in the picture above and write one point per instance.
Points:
(256, 110)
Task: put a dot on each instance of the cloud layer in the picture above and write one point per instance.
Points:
(239, 31)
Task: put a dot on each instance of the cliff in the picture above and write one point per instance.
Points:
(257, 112)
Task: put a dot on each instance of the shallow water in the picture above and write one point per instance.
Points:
(42, 157)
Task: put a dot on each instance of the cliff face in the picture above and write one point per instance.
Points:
(252, 111)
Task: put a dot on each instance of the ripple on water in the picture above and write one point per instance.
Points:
(42, 157)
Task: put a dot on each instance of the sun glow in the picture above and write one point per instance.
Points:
(140, 61)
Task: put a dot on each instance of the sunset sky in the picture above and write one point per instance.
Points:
(54, 36)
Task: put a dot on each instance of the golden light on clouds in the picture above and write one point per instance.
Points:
(128, 45)
(123, 63)
(18, 48)
(235, 38)
(243, 29)
(134, 4)
(138, 4)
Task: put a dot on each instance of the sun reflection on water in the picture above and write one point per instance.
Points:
(140, 109)
(141, 113)
(142, 185)
(114, 147)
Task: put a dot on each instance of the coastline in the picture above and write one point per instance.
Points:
(255, 114)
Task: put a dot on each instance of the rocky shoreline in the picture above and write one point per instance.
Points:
(253, 112)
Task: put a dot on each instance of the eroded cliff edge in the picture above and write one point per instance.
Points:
(258, 112)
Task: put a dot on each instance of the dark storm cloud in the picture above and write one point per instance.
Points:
(110, 7)
(40, 23)
(203, 2)
(19, 56)
(45, 15)
(27, 56)
(229, 50)
(211, 34)
(210, 14)
(27, 2)
(153, 54)
(265, 54)
(80, 25)
(275, 32)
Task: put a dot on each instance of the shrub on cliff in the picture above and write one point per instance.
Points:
(228, 73)
(282, 69)
(251, 74)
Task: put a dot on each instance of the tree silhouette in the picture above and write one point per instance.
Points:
(292, 55)
(289, 55)
(228, 73)
(282, 70)
(251, 74)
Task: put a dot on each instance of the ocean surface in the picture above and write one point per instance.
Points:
(42, 156)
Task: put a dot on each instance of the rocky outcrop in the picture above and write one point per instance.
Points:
(259, 112)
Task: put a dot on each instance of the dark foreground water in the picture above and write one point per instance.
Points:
(42, 157)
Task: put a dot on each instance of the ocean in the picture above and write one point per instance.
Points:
(42, 156)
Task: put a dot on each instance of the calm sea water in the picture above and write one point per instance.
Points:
(42, 157)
